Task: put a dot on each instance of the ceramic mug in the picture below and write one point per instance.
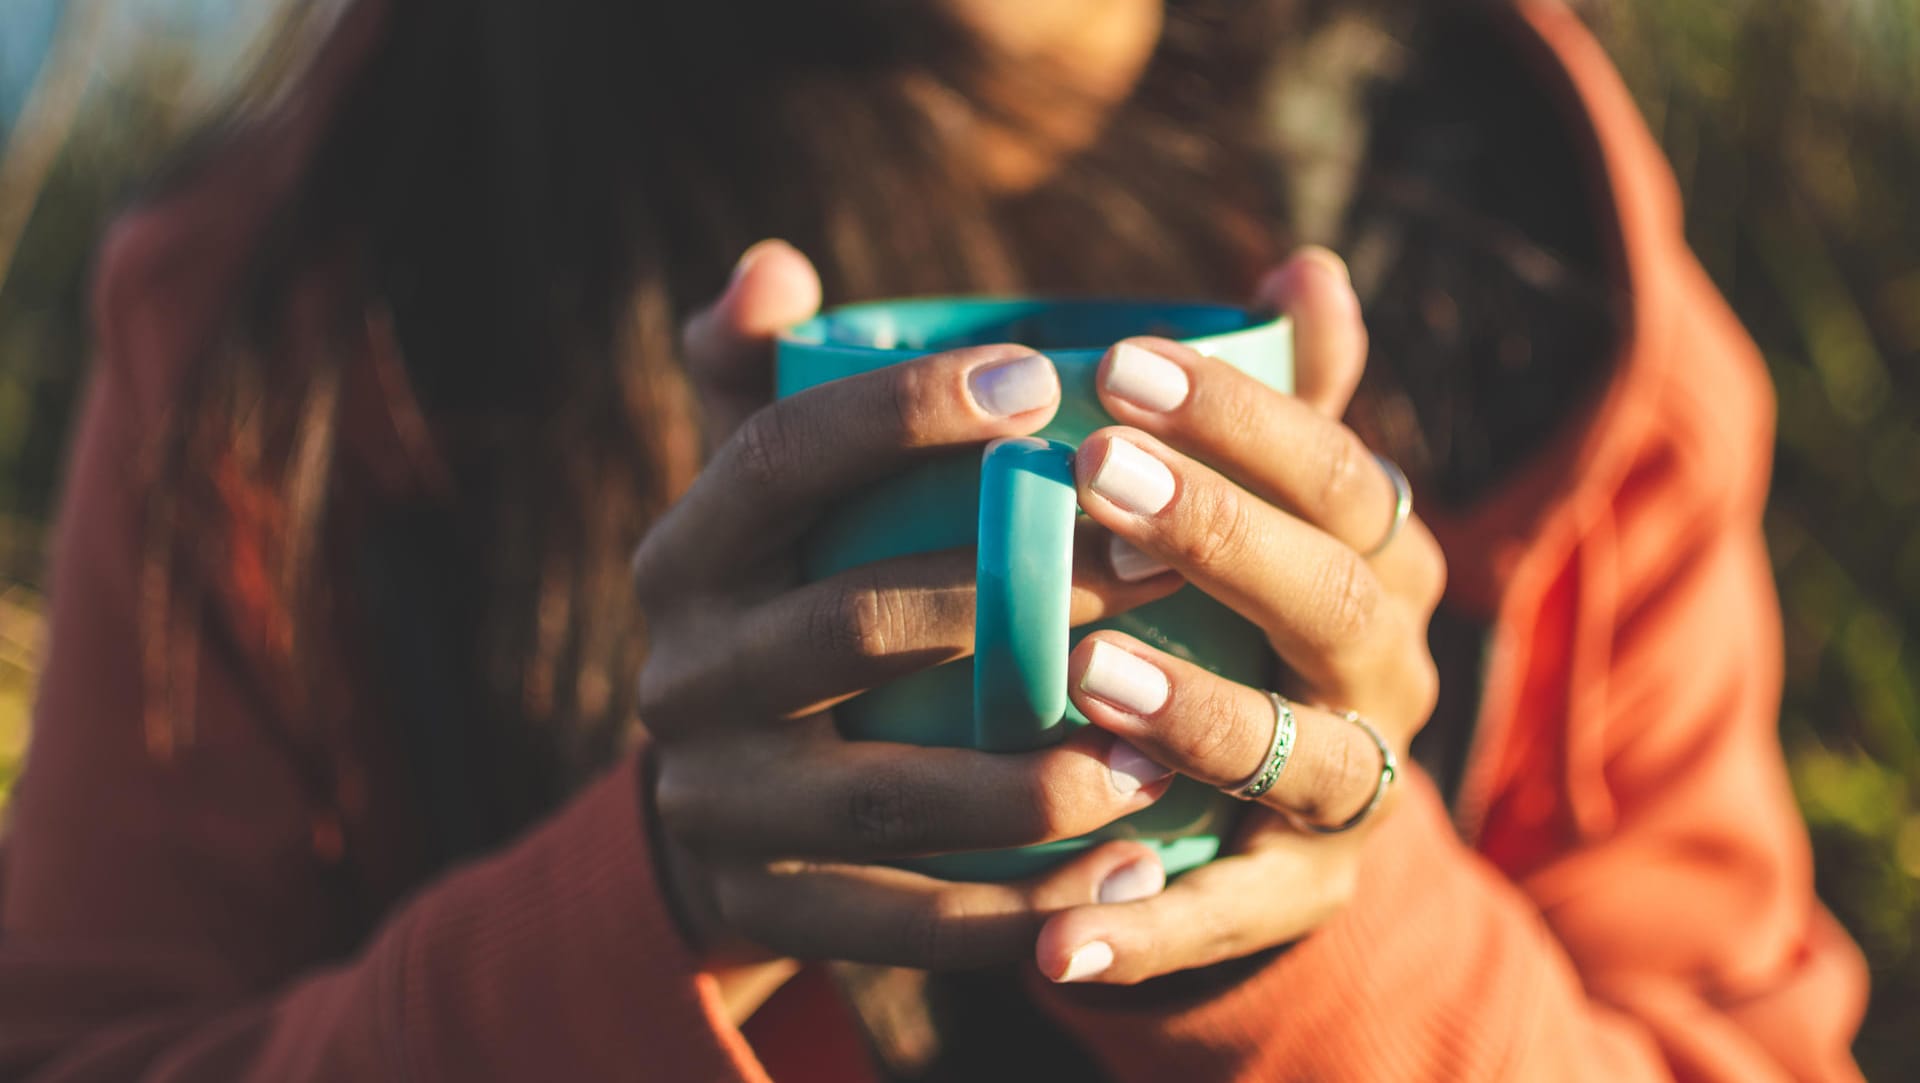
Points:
(1016, 502)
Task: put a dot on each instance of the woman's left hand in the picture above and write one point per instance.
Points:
(1269, 504)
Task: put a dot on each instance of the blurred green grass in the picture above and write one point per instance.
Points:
(1794, 129)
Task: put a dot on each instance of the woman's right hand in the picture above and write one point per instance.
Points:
(772, 824)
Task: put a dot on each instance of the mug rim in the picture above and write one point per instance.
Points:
(811, 334)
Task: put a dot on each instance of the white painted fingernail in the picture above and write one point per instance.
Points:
(1125, 680)
(1130, 769)
(1146, 379)
(1088, 960)
(750, 257)
(1327, 259)
(1129, 563)
(1136, 880)
(1133, 479)
(1014, 387)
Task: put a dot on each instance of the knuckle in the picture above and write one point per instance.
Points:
(656, 573)
(677, 798)
(644, 573)
(1350, 597)
(1051, 808)
(856, 620)
(1217, 528)
(661, 688)
(1215, 936)
(1211, 729)
(682, 678)
(912, 394)
(1426, 688)
(1434, 572)
(884, 813)
(1241, 418)
(1344, 463)
(741, 902)
(964, 926)
(764, 447)
(1333, 778)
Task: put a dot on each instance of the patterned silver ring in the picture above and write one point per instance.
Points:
(1278, 752)
(1402, 503)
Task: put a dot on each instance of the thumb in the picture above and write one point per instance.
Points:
(1329, 337)
(727, 344)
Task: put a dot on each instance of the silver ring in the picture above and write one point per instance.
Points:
(1278, 752)
(1402, 503)
(1389, 769)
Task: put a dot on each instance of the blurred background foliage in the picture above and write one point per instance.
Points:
(1795, 131)
(1794, 128)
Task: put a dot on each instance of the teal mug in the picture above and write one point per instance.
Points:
(1016, 502)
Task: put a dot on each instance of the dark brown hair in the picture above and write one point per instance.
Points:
(533, 197)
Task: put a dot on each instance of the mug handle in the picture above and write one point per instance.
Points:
(1024, 579)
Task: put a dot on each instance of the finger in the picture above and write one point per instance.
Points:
(1277, 445)
(1329, 336)
(727, 345)
(894, 917)
(818, 796)
(1219, 731)
(806, 649)
(1324, 608)
(1227, 909)
(769, 480)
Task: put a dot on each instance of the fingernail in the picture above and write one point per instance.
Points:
(1133, 479)
(1124, 680)
(1327, 259)
(1088, 960)
(1130, 769)
(1136, 880)
(1145, 379)
(1130, 563)
(1014, 387)
(750, 257)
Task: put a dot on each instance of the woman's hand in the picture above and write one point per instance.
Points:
(771, 821)
(1269, 504)
(771, 824)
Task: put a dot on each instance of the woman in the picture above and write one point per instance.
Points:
(332, 775)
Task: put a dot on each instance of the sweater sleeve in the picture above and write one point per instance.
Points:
(1674, 936)
(1639, 903)
(170, 918)
(1444, 970)
(1651, 914)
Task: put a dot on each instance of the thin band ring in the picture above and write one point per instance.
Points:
(1402, 503)
(1389, 769)
(1278, 752)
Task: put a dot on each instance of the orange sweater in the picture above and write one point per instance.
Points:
(1627, 893)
